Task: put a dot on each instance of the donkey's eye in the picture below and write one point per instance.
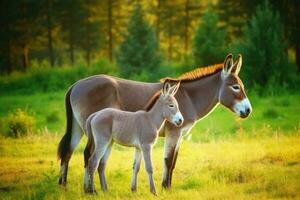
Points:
(235, 87)
(171, 105)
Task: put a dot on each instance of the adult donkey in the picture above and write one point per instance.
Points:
(200, 92)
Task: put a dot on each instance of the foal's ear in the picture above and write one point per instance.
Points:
(228, 64)
(166, 87)
(174, 89)
(237, 65)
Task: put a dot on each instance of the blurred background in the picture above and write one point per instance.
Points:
(132, 38)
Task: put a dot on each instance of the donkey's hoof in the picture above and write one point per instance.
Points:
(62, 182)
(133, 190)
(166, 185)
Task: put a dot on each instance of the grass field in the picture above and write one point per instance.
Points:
(226, 157)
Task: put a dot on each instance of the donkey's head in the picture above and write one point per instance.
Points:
(170, 108)
(232, 93)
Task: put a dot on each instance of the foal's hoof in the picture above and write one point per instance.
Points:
(154, 192)
(133, 190)
(90, 191)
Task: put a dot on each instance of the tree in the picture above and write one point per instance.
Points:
(139, 50)
(264, 47)
(209, 40)
(70, 14)
(90, 31)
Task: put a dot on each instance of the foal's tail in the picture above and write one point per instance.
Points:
(64, 144)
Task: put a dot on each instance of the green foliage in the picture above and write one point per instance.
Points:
(271, 113)
(20, 123)
(264, 48)
(53, 117)
(139, 50)
(209, 40)
(50, 79)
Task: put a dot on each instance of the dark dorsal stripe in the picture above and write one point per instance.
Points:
(152, 101)
(196, 73)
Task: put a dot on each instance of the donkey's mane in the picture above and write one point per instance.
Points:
(152, 101)
(196, 74)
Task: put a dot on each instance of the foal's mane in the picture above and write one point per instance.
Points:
(196, 74)
(152, 101)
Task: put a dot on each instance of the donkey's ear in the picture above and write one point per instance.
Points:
(174, 88)
(228, 64)
(237, 65)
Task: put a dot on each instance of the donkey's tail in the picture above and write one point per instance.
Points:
(64, 144)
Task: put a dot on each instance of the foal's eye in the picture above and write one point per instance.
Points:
(171, 105)
(235, 87)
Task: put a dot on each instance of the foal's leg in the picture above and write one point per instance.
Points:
(136, 168)
(101, 144)
(147, 149)
(101, 168)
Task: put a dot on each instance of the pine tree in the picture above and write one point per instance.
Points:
(264, 47)
(209, 40)
(139, 50)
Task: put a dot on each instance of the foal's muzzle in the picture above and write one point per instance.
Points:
(178, 119)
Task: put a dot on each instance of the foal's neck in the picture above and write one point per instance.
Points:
(156, 114)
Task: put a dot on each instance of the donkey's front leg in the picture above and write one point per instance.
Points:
(172, 142)
(136, 168)
(147, 150)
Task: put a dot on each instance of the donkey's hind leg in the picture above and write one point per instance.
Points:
(101, 167)
(75, 136)
(136, 168)
(87, 154)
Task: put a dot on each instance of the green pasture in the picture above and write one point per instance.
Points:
(224, 157)
(270, 116)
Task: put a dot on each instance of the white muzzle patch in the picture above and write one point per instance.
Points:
(177, 119)
(243, 108)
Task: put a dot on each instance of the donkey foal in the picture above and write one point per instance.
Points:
(136, 129)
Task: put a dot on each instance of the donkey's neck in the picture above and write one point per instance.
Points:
(204, 93)
(156, 115)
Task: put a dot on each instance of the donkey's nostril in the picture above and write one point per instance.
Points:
(179, 121)
(248, 110)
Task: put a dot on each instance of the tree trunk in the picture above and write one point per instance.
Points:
(71, 46)
(109, 4)
(24, 56)
(8, 57)
(170, 48)
(158, 19)
(297, 50)
(88, 48)
(49, 34)
(186, 28)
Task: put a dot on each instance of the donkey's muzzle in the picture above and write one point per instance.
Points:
(245, 113)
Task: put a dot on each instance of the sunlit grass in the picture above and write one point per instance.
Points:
(263, 168)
